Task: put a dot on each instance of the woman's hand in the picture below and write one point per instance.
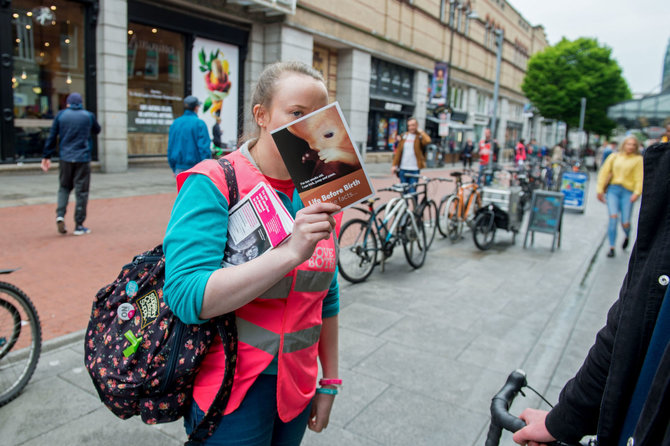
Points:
(320, 413)
(535, 433)
(634, 197)
(312, 224)
(601, 197)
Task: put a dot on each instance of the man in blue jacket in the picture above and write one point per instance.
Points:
(71, 131)
(188, 141)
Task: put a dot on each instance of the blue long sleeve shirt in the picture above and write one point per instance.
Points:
(188, 142)
(194, 242)
(71, 131)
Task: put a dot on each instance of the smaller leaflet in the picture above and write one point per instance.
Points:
(256, 224)
(322, 159)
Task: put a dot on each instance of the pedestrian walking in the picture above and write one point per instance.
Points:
(487, 148)
(71, 131)
(283, 325)
(520, 153)
(621, 179)
(410, 156)
(621, 391)
(468, 148)
(188, 139)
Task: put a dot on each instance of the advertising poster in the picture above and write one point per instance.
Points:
(573, 186)
(438, 87)
(215, 83)
(393, 132)
(322, 160)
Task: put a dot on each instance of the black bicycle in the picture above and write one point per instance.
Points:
(502, 419)
(366, 242)
(20, 340)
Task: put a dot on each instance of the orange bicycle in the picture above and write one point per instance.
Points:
(459, 208)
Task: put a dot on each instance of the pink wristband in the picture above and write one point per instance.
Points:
(330, 382)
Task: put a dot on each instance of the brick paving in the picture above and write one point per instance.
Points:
(62, 273)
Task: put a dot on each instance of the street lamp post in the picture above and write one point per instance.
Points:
(496, 88)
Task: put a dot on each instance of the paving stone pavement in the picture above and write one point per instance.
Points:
(421, 351)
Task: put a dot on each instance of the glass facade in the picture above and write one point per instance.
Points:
(391, 103)
(156, 84)
(48, 41)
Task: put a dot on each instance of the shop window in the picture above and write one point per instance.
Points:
(155, 87)
(390, 81)
(48, 55)
(324, 60)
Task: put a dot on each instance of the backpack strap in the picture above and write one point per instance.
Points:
(227, 328)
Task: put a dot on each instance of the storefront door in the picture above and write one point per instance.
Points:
(52, 55)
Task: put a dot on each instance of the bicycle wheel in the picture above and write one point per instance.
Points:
(484, 230)
(20, 341)
(453, 223)
(429, 219)
(443, 217)
(358, 250)
(414, 242)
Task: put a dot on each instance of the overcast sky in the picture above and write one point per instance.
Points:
(637, 31)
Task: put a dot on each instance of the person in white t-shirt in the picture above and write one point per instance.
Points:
(410, 154)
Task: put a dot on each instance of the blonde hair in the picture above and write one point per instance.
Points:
(267, 81)
(628, 138)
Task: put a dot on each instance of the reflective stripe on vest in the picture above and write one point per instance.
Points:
(307, 281)
(268, 341)
(279, 290)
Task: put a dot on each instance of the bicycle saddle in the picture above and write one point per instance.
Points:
(456, 174)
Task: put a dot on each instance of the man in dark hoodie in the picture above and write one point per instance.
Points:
(622, 390)
(71, 131)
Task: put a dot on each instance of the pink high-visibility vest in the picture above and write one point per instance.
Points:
(285, 321)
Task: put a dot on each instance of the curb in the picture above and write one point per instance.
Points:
(62, 341)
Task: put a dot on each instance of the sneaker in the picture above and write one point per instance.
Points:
(609, 254)
(624, 245)
(60, 223)
(80, 230)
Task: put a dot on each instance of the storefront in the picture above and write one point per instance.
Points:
(52, 43)
(172, 54)
(391, 103)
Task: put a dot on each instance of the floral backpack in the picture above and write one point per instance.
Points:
(141, 357)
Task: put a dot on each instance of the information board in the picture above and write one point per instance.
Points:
(546, 215)
(574, 187)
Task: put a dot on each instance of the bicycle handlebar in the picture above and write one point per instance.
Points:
(500, 416)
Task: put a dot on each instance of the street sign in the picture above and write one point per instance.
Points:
(546, 215)
(443, 128)
(574, 186)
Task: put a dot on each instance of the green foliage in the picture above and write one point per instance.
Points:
(558, 77)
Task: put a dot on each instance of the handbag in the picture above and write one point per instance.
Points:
(142, 358)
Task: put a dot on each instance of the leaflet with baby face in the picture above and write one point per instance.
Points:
(322, 159)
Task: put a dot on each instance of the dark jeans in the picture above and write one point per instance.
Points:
(75, 176)
(467, 162)
(255, 422)
(402, 175)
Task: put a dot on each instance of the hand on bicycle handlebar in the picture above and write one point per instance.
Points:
(535, 433)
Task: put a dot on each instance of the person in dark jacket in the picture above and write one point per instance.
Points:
(188, 140)
(622, 391)
(468, 148)
(71, 131)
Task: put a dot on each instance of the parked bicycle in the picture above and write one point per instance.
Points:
(392, 224)
(459, 208)
(502, 419)
(425, 207)
(20, 340)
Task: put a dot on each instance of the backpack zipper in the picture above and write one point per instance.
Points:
(167, 377)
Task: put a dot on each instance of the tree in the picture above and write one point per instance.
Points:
(558, 77)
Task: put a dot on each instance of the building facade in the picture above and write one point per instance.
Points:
(383, 60)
